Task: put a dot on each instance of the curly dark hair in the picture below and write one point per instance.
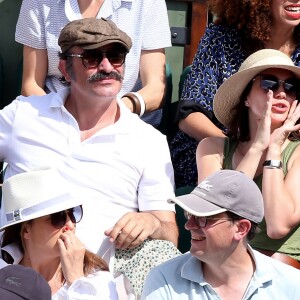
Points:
(252, 18)
(254, 227)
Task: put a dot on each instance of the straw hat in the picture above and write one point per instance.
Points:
(34, 194)
(228, 94)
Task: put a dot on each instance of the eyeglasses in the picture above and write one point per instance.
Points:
(92, 59)
(59, 219)
(202, 221)
(271, 82)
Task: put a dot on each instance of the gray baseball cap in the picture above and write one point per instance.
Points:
(224, 190)
(22, 283)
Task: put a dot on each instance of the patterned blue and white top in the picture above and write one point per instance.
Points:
(219, 55)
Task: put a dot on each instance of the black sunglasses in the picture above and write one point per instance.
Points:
(59, 219)
(271, 82)
(92, 59)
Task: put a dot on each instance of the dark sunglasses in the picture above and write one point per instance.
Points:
(59, 219)
(202, 221)
(92, 59)
(271, 82)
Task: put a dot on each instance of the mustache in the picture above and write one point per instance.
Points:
(104, 75)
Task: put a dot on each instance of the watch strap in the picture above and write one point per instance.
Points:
(273, 164)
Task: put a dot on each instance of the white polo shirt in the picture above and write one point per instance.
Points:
(123, 167)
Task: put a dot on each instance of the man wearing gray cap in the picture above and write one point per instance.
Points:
(222, 215)
(96, 143)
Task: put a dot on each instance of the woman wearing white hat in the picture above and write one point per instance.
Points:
(258, 106)
(40, 233)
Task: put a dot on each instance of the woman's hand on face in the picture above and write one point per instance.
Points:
(262, 138)
(71, 254)
(280, 134)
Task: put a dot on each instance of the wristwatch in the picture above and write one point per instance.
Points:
(273, 164)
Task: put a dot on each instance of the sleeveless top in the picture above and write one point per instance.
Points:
(290, 244)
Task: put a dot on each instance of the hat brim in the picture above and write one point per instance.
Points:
(9, 294)
(197, 206)
(102, 44)
(93, 46)
(67, 201)
(229, 93)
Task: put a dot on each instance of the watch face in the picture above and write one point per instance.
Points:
(273, 164)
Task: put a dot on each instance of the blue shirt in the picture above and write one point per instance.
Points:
(182, 278)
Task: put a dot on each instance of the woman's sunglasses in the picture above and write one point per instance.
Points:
(271, 82)
(59, 219)
(92, 58)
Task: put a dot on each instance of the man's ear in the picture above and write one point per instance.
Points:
(62, 66)
(243, 227)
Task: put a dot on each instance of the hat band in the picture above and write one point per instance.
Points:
(20, 214)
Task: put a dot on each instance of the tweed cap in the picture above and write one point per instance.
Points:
(92, 33)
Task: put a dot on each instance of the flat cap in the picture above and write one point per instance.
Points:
(92, 33)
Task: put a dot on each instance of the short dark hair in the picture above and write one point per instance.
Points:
(69, 63)
(254, 227)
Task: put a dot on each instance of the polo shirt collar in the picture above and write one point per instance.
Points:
(124, 125)
(58, 100)
(192, 269)
(263, 268)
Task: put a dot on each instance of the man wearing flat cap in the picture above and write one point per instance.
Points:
(222, 215)
(95, 142)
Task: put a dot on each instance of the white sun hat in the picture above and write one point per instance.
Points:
(34, 194)
(229, 93)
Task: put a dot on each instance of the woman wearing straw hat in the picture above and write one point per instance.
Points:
(240, 28)
(258, 106)
(40, 233)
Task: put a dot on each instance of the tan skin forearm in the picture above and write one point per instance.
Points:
(198, 126)
(134, 227)
(35, 68)
(209, 156)
(152, 73)
(281, 196)
(153, 77)
(167, 230)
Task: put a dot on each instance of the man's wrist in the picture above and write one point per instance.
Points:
(137, 101)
